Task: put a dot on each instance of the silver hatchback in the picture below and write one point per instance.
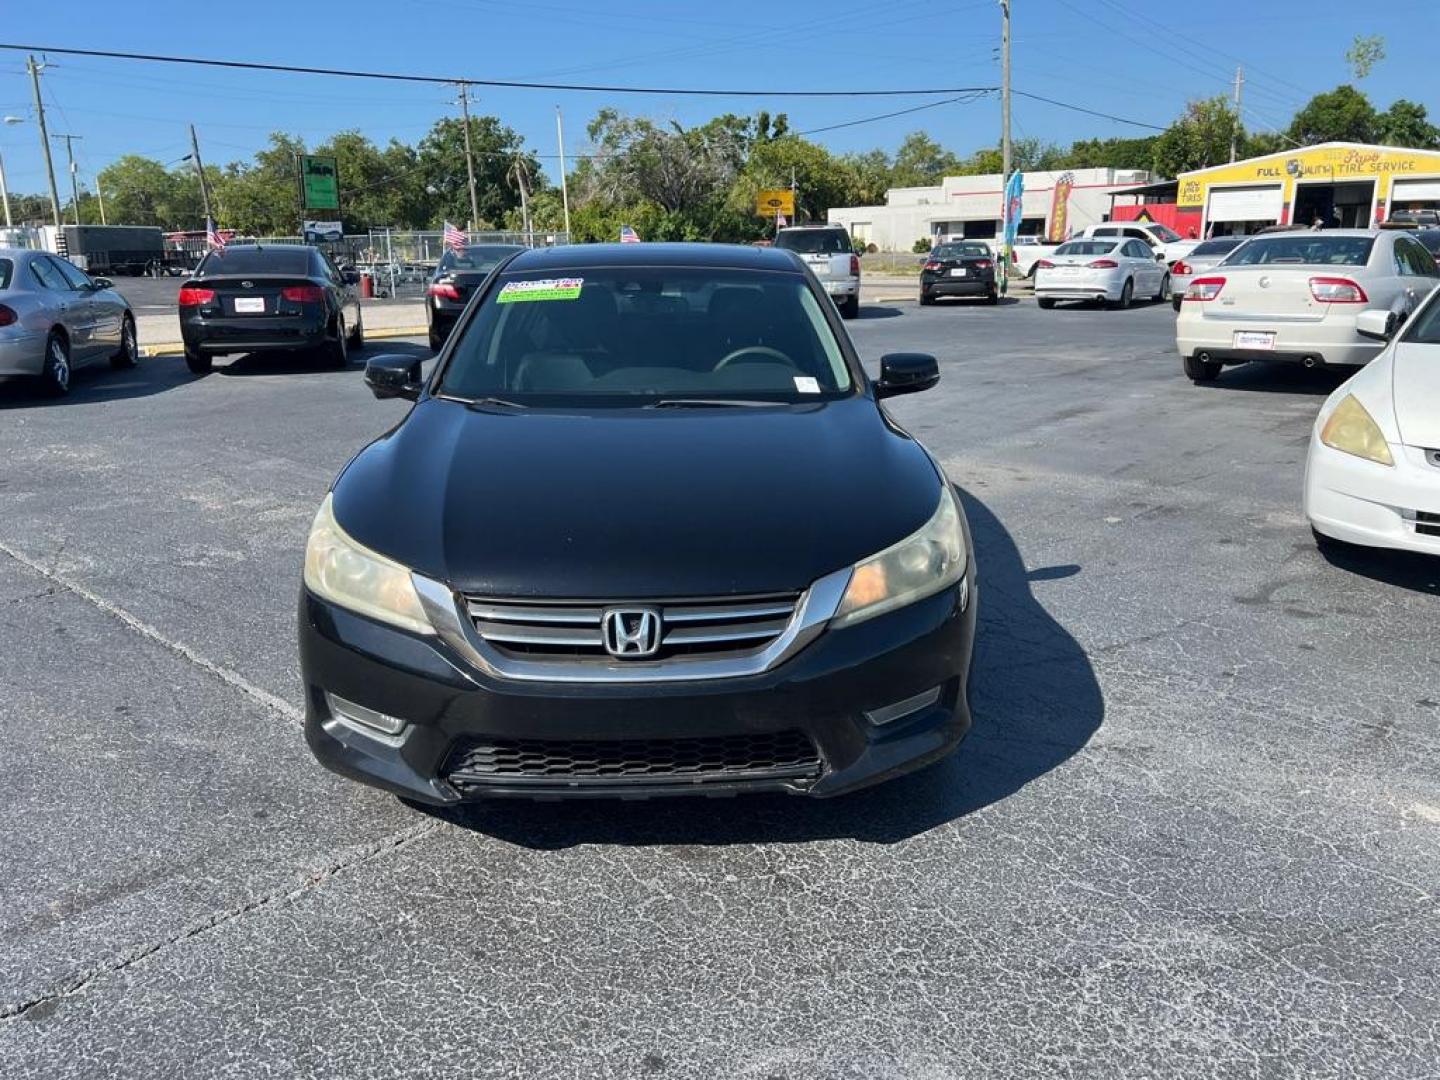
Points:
(55, 318)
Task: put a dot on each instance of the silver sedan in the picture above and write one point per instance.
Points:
(55, 318)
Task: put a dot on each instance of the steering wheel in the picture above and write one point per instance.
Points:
(767, 355)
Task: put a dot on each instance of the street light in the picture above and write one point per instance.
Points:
(4, 191)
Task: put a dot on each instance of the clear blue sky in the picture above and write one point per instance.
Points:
(1136, 59)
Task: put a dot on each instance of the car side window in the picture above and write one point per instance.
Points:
(1412, 260)
(76, 277)
(1141, 235)
(327, 269)
(1424, 261)
(1106, 232)
(48, 274)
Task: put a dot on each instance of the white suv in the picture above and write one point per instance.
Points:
(827, 250)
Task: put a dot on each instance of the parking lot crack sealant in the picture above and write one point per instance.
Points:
(144, 629)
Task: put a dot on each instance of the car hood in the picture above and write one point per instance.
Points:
(636, 503)
(1416, 373)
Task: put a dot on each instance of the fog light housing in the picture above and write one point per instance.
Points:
(898, 710)
(359, 718)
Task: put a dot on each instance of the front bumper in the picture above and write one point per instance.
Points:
(22, 353)
(237, 334)
(1362, 502)
(825, 691)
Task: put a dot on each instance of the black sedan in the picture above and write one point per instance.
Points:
(455, 278)
(647, 530)
(251, 298)
(958, 270)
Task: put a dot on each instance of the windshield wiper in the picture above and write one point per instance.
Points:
(494, 403)
(710, 403)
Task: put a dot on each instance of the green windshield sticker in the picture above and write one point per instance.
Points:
(549, 289)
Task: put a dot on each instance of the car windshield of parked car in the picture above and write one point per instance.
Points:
(815, 241)
(272, 260)
(1087, 247)
(1431, 239)
(1219, 247)
(619, 335)
(961, 251)
(1165, 235)
(1424, 326)
(1303, 249)
(7, 271)
(475, 258)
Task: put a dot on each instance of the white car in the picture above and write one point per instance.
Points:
(1164, 240)
(1373, 473)
(1101, 268)
(1294, 297)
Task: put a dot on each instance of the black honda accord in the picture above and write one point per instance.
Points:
(645, 531)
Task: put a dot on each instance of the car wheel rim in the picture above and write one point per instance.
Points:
(60, 365)
(128, 342)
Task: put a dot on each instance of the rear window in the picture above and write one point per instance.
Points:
(815, 241)
(1219, 247)
(7, 271)
(476, 257)
(961, 251)
(1431, 239)
(1304, 249)
(274, 260)
(1086, 247)
(1168, 236)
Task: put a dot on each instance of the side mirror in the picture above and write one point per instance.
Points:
(393, 375)
(1159, 256)
(1376, 325)
(350, 277)
(906, 373)
(103, 283)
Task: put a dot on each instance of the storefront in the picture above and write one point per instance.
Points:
(1337, 185)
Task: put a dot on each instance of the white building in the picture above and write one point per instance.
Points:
(969, 206)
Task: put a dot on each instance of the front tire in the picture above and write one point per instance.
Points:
(55, 375)
(1164, 287)
(1127, 293)
(1202, 371)
(129, 354)
(199, 363)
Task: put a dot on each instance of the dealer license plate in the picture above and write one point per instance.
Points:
(249, 305)
(958, 271)
(1254, 339)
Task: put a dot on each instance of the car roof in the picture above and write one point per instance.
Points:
(269, 247)
(710, 256)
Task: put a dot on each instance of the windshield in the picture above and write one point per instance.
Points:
(1424, 326)
(814, 241)
(1169, 236)
(276, 260)
(961, 251)
(477, 257)
(612, 335)
(1219, 247)
(1086, 247)
(1303, 249)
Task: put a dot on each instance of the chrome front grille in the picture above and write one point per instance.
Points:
(568, 630)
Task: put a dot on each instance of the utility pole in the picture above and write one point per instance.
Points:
(1239, 82)
(74, 181)
(469, 154)
(518, 170)
(45, 149)
(5, 195)
(101, 196)
(200, 174)
(1004, 137)
(564, 189)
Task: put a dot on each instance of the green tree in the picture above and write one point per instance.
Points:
(262, 198)
(377, 187)
(821, 180)
(441, 160)
(140, 191)
(1110, 153)
(1340, 115)
(1201, 137)
(921, 161)
(1364, 53)
(1407, 123)
(870, 176)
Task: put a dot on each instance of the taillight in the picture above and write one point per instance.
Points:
(1205, 288)
(932, 265)
(1337, 290)
(303, 294)
(1103, 264)
(1044, 264)
(192, 297)
(855, 265)
(7, 315)
(1181, 267)
(983, 264)
(446, 289)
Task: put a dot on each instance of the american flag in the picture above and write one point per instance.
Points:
(628, 235)
(213, 240)
(454, 238)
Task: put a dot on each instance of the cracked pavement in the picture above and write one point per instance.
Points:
(1196, 831)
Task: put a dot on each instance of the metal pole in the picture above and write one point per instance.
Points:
(1239, 82)
(5, 194)
(45, 149)
(469, 156)
(200, 173)
(101, 196)
(74, 182)
(564, 189)
(524, 202)
(1004, 138)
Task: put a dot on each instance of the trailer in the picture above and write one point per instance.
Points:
(109, 249)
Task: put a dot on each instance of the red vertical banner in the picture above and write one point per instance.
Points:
(1060, 209)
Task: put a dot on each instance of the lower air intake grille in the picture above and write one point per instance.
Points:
(1427, 524)
(758, 756)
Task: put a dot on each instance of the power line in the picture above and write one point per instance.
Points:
(899, 112)
(1089, 112)
(247, 65)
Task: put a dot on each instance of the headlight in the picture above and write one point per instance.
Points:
(1353, 430)
(345, 573)
(928, 560)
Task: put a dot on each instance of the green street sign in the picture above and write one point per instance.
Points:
(320, 182)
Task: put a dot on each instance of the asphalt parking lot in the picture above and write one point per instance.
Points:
(1195, 832)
